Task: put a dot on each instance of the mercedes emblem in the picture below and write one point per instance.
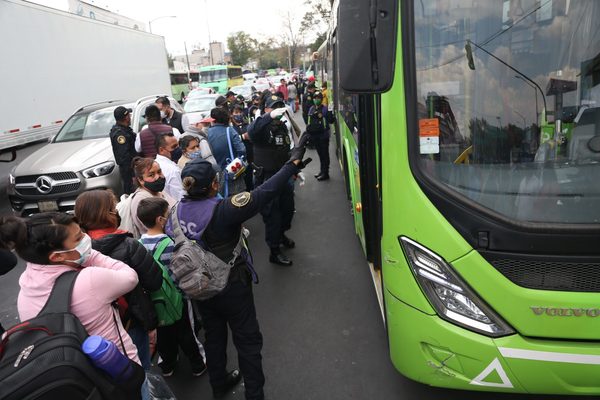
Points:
(44, 184)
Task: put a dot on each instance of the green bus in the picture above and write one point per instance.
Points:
(469, 136)
(220, 78)
(182, 83)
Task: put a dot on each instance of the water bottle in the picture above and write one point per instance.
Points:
(106, 356)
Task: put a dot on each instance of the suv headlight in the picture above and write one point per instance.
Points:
(99, 170)
(11, 177)
(451, 297)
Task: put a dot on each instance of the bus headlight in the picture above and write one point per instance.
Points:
(451, 297)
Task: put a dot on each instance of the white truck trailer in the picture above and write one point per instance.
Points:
(54, 62)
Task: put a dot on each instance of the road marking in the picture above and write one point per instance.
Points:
(570, 358)
(494, 366)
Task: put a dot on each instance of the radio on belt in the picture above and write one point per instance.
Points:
(236, 167)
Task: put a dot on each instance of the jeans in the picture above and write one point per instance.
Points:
(139, 336)
(145, 390)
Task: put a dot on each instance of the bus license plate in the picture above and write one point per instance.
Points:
(46, 206)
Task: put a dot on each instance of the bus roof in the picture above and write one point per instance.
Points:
(217, 67)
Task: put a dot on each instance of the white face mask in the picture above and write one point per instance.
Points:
(84, 248)
(163, 114)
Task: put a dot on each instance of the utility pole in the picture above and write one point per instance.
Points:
(187, 59)
(210, 54)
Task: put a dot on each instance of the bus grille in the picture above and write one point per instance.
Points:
(551, 275)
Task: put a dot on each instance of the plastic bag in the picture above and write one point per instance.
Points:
(158, 387)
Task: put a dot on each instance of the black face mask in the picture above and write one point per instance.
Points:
(176, 154)
(8, 261)
(156, 186)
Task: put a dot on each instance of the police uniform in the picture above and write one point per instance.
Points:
(307, 102)
(271, 151)
(318, 129)
(122, 139)
(234, 306)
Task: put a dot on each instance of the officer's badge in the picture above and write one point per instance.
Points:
(320, 115)
(241, 199)
(308, 98)
(121, 139)
(274, 97)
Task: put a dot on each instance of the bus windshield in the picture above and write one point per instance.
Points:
(508, 103)
(213, 76)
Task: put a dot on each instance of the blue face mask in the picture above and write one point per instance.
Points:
(84, 248)
(194, 155)
(239, 118)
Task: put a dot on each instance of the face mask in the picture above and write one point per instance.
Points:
(317, 102)
(163, 114)
(84, 248)
(239, 118)
(176, 154)
(156, 186)
(195, 154)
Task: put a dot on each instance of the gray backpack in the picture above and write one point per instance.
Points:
(199, 273)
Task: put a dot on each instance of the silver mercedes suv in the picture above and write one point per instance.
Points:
(77, 159)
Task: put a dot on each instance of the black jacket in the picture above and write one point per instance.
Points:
(175, 121)
(123, 247)
(122, 139)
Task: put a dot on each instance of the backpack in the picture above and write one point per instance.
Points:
(41, 359)
(200, 274)
(167, 300)
(126, 214)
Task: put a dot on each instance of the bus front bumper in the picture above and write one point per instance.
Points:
(428, 349)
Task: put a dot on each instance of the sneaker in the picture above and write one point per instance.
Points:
(231, 380)
(166, 372)
(199, 370)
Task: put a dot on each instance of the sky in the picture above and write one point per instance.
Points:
(258, 18)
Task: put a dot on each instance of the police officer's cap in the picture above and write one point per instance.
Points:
(121, 112)
(273, 101)
(318, 95)
(229, 93)
(255, 96)
(203, 173)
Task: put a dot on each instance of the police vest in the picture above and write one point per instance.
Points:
(273, 153)
(316, 121)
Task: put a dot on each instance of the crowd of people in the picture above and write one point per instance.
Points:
(184, 178)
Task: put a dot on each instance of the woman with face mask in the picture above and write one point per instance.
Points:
(95, 210)
(150, 182)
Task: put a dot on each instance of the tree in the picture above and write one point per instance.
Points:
(316, 21)
(292, 36)
(241, 46)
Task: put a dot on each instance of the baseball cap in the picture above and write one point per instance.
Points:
(207, 120)
(318, 94)
(203, 173)
(121, 112)
(229, 93)
(219, 101)
(273, 100)
(311, 78)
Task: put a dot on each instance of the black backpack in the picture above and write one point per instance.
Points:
(41, 359)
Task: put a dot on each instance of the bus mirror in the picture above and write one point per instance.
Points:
(366, 38)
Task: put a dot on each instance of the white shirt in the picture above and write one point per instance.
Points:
(172, 173)
(138, 140)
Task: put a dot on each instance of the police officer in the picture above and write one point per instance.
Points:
(221, 233)
(272, 141)
(254, 105)
(122, 138)
(307, 101)
(319, 133)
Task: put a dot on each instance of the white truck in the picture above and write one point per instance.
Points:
(54, 62)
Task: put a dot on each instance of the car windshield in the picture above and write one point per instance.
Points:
(213, 76)
(243, 90)
(94, 125)
(199, 104)
(508, 103)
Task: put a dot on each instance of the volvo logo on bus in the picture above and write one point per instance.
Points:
(44, 184)
(566, 312)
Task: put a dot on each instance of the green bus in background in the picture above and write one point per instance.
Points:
(469, 136)
(182, 83)
(220, 78)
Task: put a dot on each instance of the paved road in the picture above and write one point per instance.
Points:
(324, 338)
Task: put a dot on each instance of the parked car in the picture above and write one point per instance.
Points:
(244, 90)
(201, 104)
(198, 92)
(78, 158)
